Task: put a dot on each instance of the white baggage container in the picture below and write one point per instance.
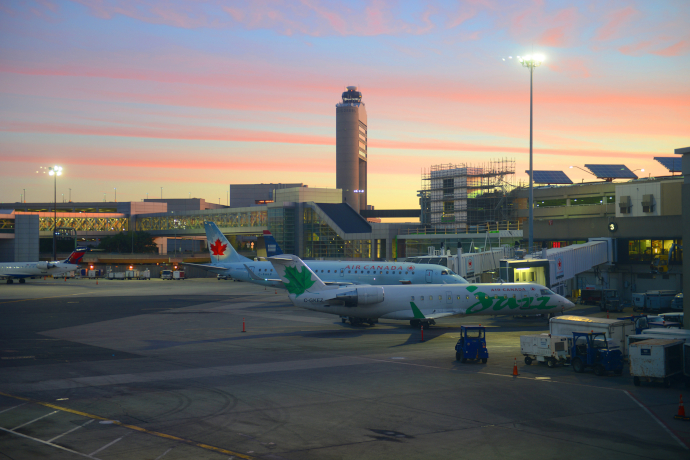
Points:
(132, 274)
(615, 329)
(656, 359)
(552, 350)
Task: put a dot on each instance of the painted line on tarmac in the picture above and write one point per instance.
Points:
(124, 425)
(48, 443)
(657, 420)
(42, 298)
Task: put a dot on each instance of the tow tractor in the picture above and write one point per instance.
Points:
(591, 349)
(472, 344)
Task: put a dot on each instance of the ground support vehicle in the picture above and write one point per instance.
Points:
(603, 298)
(116, 275)
(677, 302)
(545, 348)
(615, 329)
(178, 275)
(656, 360)
(591, 350)
(653, 301)
(166, 274)
(132, 274)
(472, 344)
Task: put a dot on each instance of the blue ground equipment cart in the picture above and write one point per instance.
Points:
(472, 344)
(591, 350)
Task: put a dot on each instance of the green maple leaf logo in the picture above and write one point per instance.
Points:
(298, 281)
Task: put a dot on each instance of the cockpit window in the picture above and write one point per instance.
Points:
(547, 292)
(444, 272)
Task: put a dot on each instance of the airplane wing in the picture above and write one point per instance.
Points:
(254, 277)
(208, 268)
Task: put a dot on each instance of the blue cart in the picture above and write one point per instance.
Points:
(472, 344)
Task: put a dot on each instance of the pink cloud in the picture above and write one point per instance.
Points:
(678, 49)
(616, 21)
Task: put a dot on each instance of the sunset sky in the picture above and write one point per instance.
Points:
(194, 95)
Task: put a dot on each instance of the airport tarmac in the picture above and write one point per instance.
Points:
(162, 370)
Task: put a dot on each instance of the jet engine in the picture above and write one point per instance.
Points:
(44, 265)
(365, 295)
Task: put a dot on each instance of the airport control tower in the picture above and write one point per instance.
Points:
(351, 148)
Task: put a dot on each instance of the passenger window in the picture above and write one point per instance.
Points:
(467, 297)
(458, 297)
(386, 272)
(406, 273)
(412, 298)
(348, 271)
(413, 273)
(329, 271)
(421, 298)
(440, 297)
(450, 297)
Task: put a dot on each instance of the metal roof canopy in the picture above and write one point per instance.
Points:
(673, 164)
(550, 177)
(610, 172)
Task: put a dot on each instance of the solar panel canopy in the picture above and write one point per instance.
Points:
(611, 171)
(550, 177)
(670, 163)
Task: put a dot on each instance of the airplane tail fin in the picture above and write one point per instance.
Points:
(296, 276)
(220, 248)
(272, 248)
(76, 256)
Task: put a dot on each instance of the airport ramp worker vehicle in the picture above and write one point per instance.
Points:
(656, 360)
(472, 344)
(591, 350)
(545, 348)
(615, 329)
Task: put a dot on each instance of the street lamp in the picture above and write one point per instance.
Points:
(531, 61)
(55, 171)
(114, 188)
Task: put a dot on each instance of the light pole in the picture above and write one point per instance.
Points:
(531, 61)
(55, 171)
(24, 195)
(115, 188)
(161, 193)
(70, 195)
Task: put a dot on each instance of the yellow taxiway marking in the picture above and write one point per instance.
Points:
(132, 427)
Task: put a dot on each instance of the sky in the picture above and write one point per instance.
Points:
(185, 97)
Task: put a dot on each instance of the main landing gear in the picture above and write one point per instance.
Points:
(10, 281)
(22, 280)
(417, 323)
(359, 321)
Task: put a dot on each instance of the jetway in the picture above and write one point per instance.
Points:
(565, 263)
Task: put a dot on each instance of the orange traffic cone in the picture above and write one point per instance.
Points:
(681, 408)
(515, 371)
(276, 291)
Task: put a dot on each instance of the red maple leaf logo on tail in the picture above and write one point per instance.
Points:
(218, 248)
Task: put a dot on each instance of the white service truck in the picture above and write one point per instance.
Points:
(546, 348)
(616, 330)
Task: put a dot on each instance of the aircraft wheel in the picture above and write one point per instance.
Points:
(10, 281)
(426, 324)
(463, 359)
(415, 323)
(484, 360)
(577, 365)
(528, 360)
(22, 281)
(599, 370)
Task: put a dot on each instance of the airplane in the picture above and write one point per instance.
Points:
(226, 261)
(23, 270)
(421, 305)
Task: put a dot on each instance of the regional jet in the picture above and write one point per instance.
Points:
(225, 260)
(418, 304)
(23, 270)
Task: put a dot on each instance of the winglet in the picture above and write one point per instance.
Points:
(417, 313)
(297, 277)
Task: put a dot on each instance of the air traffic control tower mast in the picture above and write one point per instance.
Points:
(351, 149)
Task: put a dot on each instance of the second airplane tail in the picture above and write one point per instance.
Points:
(219, 247)
(297, 276)
(76, 256)
(272, 248)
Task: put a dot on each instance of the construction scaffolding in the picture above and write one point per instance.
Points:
(459, 196)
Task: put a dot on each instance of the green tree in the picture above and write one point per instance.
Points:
(122, 242)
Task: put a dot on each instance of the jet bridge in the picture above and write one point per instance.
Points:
(558, 265)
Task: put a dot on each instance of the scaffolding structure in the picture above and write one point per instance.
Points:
(460, 196)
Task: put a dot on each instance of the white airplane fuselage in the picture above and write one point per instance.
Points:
(28, 269)
(372, 273)
(434, 301)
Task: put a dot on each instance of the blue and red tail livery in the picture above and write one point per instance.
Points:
(76, 256)
(272, 248)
